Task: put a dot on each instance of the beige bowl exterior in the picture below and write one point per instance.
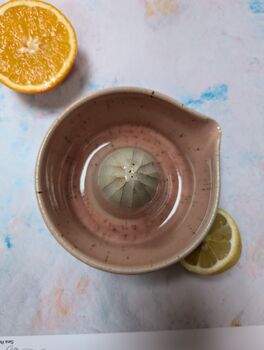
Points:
(197, 137)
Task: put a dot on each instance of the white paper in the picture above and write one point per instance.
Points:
(207, 339)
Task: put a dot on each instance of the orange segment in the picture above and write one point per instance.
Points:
(38, 46)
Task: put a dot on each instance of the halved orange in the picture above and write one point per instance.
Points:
(38, 45)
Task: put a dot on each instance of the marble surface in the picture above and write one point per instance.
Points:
(207, 54)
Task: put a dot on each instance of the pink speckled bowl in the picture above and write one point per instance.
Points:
(185, 147)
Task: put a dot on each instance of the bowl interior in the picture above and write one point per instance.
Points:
(119, 238)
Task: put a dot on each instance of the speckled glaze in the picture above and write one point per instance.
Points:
(185, 147)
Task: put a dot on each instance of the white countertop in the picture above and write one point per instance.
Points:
(206, 54)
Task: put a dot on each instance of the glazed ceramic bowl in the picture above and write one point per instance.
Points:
(127, 179)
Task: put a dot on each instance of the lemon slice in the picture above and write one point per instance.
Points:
(220, 250)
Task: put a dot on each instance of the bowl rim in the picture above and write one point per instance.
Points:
(108, 267)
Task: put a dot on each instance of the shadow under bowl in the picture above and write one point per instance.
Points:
(113, 221)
